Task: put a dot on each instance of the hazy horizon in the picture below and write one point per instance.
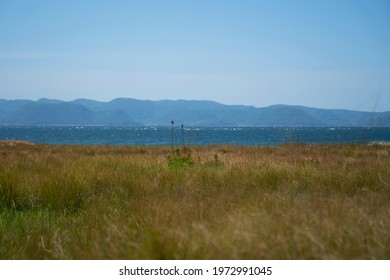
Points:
(329, 54)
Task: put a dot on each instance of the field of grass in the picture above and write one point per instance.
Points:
(219, 202)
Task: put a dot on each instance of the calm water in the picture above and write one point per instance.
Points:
(193, 135)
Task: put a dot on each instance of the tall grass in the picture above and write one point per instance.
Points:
(286, 202)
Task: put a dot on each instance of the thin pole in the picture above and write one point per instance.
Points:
(182, 135)
(172, 136)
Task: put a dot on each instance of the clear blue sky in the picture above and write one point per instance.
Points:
(328, 54)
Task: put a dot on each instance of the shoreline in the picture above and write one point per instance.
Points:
(14, 142)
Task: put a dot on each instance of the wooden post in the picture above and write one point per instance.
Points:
(173, 137)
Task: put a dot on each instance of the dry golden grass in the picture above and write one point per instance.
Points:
(104, 202)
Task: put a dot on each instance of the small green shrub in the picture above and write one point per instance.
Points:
(180, 160)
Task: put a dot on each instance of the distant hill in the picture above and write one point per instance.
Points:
(132, 112)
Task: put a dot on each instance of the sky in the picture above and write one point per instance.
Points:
(325, 54)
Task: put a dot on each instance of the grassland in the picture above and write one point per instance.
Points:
(221, 202)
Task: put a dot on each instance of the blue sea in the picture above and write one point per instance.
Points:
(156, 135)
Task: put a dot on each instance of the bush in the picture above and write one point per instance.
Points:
(179, 160)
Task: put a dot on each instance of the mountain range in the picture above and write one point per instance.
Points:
(133, 112)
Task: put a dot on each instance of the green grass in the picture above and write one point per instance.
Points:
(214, 202)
